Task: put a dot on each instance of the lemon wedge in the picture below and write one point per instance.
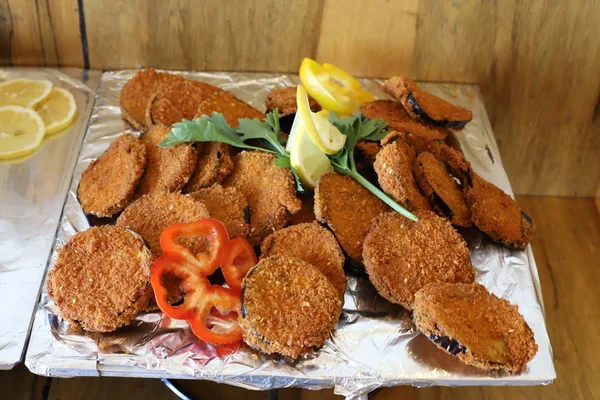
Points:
(21, 131)
(57, 110)
(306, 157)
(24, 92)
(325, 136)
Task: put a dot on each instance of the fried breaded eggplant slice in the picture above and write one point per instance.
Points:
(228, 205)
(232, 108)
(394, 166)
(214, 164)
(284, 99)
(402, 256)
(441, 189)
(269, 190)
(177, 101)
(288, 307)
(398, 119)
(108, 183)
(348, 209)
(167, 169)
(152, 213)
(101, 279)
(474, 325)
(312, 243)
(421, 104)
(137, 92)
(497, 214)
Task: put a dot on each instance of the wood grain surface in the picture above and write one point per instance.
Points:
(537, 62)
(566, 249)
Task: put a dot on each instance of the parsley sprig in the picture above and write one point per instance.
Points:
(267, 135)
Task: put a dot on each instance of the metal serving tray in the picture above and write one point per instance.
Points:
(32, 194)
(375, 343)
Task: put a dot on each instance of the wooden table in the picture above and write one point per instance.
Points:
(567, 252)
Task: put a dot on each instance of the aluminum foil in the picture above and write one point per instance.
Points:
(32, 195)
(374, 344)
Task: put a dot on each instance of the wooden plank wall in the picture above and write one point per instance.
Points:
(537, 62)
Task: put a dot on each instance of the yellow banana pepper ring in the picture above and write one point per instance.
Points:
(333, 88)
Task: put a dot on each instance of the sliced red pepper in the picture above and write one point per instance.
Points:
(210, 309)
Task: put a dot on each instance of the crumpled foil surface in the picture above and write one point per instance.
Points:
(32, 195)
(374, 344)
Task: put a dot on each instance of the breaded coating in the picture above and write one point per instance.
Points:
(394, 166)
(497, 214)
(398, 119)
(230, 106)
(348, 209)
(167, 169)
(479, 328)
(101, 279)
(312, 243)
(418, 143)
(227, 205)
(269, 190)
(421, 104)
(307, 212)
(152, 213)
(284, 99)
(365, 157)
(368, 149)
(177, 101)
(442, 190)
(108, 183)
(402, 256)
(137, 92)
(214, 164)
(288, 307)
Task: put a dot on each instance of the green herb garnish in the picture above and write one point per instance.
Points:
(268, 135)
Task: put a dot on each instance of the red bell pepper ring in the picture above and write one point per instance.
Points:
(210, 309)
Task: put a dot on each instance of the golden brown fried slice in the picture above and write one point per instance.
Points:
(137, 92)
(152, 213)
(398, 119)
(108, 183)
(101, 279)
(269, 190)
(497, 214)
(348, 209)
(284, 99)
(424, 105)
(214, 165)
(230, 106)
(312, 243)
(442, 190)
(402, 256)
(394, 167)
(288, 307)
(177, 101)
(227, 205)
(306, 213)
(167, 169)
(479, 328)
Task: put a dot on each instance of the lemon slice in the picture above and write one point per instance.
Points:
(24, 92)
(58, 110)
(21, 131)
(326, 136)
(306, 157)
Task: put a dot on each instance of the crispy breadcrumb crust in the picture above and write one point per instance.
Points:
(288, 307)
(214, 164)
(108, 183)
(284, 99)
(232, 108)
(492, 330)
(101, 279)
(312, 243)
(402, 256)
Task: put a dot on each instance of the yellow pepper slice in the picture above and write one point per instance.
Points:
(332, 87)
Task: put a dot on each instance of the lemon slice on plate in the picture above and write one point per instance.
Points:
(24, 92)
(325, 136)
(57, 110)
(21, 131)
